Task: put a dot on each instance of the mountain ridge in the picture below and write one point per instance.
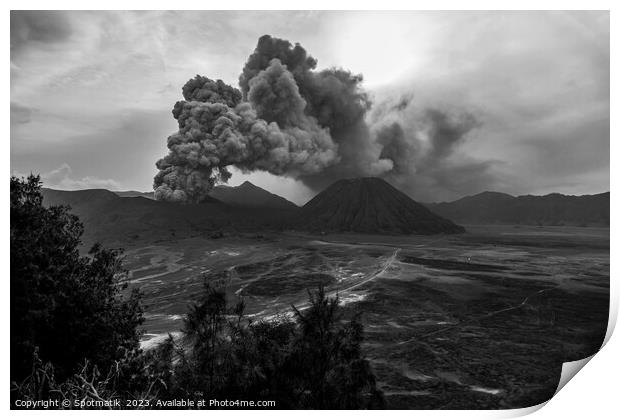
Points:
(108, 216)
(112, 219)
(243, 195)
(250, 195)
(555, 209)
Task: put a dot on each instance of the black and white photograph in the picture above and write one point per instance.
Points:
(306, 209)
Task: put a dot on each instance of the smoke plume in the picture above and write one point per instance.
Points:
(290, 119)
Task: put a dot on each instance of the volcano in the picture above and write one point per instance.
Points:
(371, 205)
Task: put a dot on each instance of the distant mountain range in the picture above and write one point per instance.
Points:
(549, 210)
(244, 195)
(370, 205)
(365, 205)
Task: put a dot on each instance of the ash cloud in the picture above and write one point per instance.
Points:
(422, 143)
(289, 119)
(217, 129)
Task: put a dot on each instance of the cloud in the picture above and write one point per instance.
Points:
(38, 26)
(539, 84)
(122, 147)
(62, 178)
(20, 114)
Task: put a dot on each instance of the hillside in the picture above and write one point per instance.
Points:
(249, 195)
(551, 210)
(244, 195)
(132, 193)
(370, 205)
(115, 220)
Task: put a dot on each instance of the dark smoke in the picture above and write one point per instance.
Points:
(421, 144)
(217, 130)
(203, 89)
(289, 119)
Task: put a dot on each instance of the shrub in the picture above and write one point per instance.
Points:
(310, 360)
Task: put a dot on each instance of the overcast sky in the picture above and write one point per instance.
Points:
(92, 92)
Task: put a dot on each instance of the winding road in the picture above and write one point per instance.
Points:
(391, 259)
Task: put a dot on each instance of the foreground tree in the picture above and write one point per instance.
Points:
(68, 307)
(312, 360)
(327, 356)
